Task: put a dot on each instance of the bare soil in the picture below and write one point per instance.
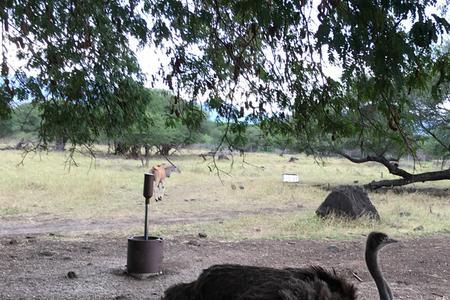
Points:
(45, 265)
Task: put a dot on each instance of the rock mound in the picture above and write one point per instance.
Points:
(348, 201)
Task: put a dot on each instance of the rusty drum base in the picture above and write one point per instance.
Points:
(144, 257)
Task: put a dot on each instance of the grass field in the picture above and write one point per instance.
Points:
(259, 206)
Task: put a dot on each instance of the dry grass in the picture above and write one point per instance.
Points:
(260, 206)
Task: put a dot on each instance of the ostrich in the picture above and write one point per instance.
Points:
(237, 282)
(376, 241)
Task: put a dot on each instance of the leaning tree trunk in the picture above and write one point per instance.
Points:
(422, 177)
(392, 166)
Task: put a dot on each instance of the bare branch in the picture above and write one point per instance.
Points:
(393, 168)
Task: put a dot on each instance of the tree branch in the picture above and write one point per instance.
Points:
(427, 176)
(393, 168)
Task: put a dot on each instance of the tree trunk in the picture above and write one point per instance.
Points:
(422, 177)
(135, 151)
(120, 148)
(147, 155)
(164, 149)
(60, 143)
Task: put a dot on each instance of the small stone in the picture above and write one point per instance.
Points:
(241, 187)
(46, 253)
(333, 248)
(31, 239)
(144, 276)
(233, 187)
(71, 275)
(119, 271)
(404, 214)
(202, 235)
(293, 159)
(88, 249)
(419, 228)
(193, 243)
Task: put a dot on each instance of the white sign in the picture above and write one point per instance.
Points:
(290, 178)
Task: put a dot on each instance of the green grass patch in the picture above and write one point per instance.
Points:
(252, 203)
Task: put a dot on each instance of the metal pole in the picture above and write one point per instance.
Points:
(148, 193)
(146, 216)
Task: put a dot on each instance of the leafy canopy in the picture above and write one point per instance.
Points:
(73, 61)
(268, 58)
(257, 61)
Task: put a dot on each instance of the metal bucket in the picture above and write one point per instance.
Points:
(145, 256)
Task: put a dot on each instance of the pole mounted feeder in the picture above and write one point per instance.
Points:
(145, 253)
(149, 178)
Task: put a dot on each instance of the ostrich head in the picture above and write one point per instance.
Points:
(378, 240)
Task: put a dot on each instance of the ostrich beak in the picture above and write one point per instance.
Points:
(390, 241)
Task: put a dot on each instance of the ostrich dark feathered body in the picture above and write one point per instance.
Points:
(238, 282)
(232, 282)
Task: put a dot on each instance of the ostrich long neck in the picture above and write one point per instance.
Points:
(372, 264)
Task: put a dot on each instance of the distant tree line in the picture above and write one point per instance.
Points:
(157, 131)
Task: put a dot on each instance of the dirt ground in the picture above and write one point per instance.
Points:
(36, 266)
